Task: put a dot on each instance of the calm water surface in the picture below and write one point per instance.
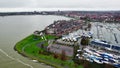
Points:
(15, 28)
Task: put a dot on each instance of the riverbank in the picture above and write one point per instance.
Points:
(26, 25)
(18, 47)
(27, 47)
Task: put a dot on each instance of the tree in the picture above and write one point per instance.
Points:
(55, 55)
(42, 45)
(108, 66)
(63, 55)
(76, 47)
(85, 41)
(86, 64)
(89, 25)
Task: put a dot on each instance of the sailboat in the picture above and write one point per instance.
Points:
(100, 42)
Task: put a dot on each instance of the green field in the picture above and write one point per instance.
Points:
(28, 47)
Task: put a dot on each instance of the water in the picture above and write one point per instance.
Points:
(15, 28)
(107, 32)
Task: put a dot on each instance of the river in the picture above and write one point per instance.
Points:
(14, 29)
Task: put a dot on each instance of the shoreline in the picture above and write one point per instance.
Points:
(32, 58)
(39, 61)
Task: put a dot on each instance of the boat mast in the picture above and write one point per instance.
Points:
(97, 31)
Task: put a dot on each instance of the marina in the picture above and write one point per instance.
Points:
(107, 32)
(59, 34)
(101, 56)
(104, 47)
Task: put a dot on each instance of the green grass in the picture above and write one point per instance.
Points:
(28, 48)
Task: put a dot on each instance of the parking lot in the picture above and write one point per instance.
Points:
(58, 48)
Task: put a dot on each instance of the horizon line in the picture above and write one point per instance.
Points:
(52, 9)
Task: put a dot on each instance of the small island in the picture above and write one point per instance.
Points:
(70, 44)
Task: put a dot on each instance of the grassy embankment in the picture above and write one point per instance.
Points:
(28, 47)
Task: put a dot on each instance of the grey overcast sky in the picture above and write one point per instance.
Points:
(74, 4)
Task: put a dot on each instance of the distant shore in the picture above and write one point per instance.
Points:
(24, 13)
